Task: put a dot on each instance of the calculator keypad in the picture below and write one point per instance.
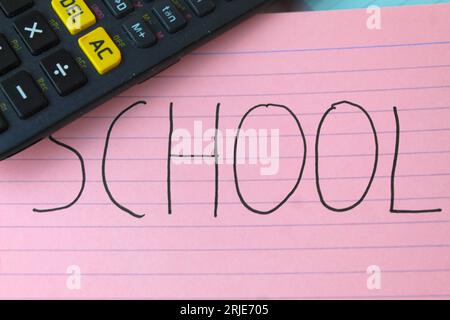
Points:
(35, 31)
(58, 58)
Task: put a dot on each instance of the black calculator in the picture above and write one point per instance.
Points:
(61, 58)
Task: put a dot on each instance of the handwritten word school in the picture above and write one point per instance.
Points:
(215, 156)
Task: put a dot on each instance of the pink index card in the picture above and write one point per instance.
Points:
(300, 155)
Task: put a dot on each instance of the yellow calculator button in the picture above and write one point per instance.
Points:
(100, 50)
(75, 14)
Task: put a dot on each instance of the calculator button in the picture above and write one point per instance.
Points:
(119, 8)
(75, 14)
(100, 50)
(64, 73)
(36, 32)
(169, 16)
(13, 7)
(202, 7)
(24, 94)
(3, 124)
(8, 58)
(140, 32)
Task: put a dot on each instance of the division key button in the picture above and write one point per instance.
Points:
(64, 73)
(24, 94)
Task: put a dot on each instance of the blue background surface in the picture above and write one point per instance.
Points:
(347, 4)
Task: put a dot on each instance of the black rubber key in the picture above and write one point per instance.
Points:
(8, 58)
(169, 16)
(119, 8)
(64, 73)
(24, 94)
(36, 32)
(202, 7)
(140, 32)
(13, 7)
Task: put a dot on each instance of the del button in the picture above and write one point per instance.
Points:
(75, 14)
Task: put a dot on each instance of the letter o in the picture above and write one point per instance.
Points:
(300, 174)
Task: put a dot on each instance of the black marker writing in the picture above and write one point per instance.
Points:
(322, 200)
(215, 156)
(216, 162)
(105, 154)
(239, 133)
(394, 168)
(169, 156)
(83, 179)
(300, 174)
